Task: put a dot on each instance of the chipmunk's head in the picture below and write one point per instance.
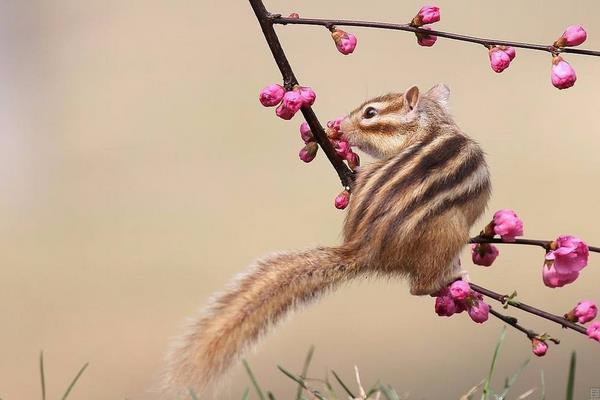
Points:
(382, 125)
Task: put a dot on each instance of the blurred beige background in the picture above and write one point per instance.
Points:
(139, 173)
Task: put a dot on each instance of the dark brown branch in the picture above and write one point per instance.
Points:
(545, 244)
(289, 79)
(504, 299)
(512, 321)
(328, 23)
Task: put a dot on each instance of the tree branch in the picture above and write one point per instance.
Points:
(328, 23)
(545, 244)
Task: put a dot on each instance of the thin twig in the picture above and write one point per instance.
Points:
(545, 244)
(512, 321)
(328, 23)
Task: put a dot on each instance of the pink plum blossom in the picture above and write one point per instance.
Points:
(569, 254)
(341, 147)
(553, 279)
(460, 290)
(294, 15)
(585, 311)
(308, 152)
(499, 60)
(271, 95)
(593, 331)
(574, 35)
(292, 100)
(342, 200)
(512, 53)
(284, 112)
(427, 15)
(353, 159)
(445, 305)
(425, 40)
(344, 41)
(562, 75)
(507, 224)
(308, 95)
(306, 133)
(539, 347)
(484, 254)
(479, 310)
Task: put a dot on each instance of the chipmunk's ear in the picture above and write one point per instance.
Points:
(411, 97)
(439, 93)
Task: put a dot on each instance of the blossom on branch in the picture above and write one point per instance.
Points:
(500, 57)
(584, 312)
(425, 40)
(309, 152)
(539, 347)
(562, 74)
(344, 41)
(458, 297)
(271, 95)
(574, 35)
(506, 224)
(342, 200)
(426, 15)
(484, 254)
(593, 331)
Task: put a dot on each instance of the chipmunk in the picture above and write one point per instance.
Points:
(409, 216)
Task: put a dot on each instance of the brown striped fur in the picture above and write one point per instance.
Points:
(410, 215)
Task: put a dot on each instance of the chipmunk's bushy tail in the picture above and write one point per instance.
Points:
(257, 300)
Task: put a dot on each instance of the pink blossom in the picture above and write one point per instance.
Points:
(308, 152)
(427, 15)
(445, 305)
(460, 290)
(563, 75)
(308, 95)
(585, 311)
(539, 347)
(292, 100)
(512, 53)
(593, 331)
(341, 147)
(484, 254)
(479, 310)
(507, 224)
(342, 200)
(284, 112)
(334, 130)
(294, 15)
(574, 35)
(553, 279)
(425, 40)
(306, 133)
(499, 60)
(271, 95)
(344, 41)
(570, 254)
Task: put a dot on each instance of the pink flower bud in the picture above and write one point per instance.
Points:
(507, 224)
(563, 75)
(306, 133)
(460, 290)
(553, 279)
(284, 112)
(593, 331)
(479, 311)
(499, 60)
(292, 100)
(445, 306)
(344, 41)
(308, 95)
(570, 254)
(271, 95)
(584, 311)
(308, 152)
(539, 347)
(294, 15)
(341, 147)
(424, 39)
(484, 254)
(342, 200)
(426, 15)
(335, 124)
(574, 35)
(353, 159)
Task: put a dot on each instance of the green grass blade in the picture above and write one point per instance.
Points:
(301, 382)
(511, 381)
(259, 391)
(42, 375)
(307, 361)
(193, 394)
(246, 395)
(488, 381)
(389, 392)
(342, 384)
(543, 392)
(571, 379)
(75, 380)
(270, 396)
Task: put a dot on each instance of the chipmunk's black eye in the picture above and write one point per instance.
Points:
(370, 112)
